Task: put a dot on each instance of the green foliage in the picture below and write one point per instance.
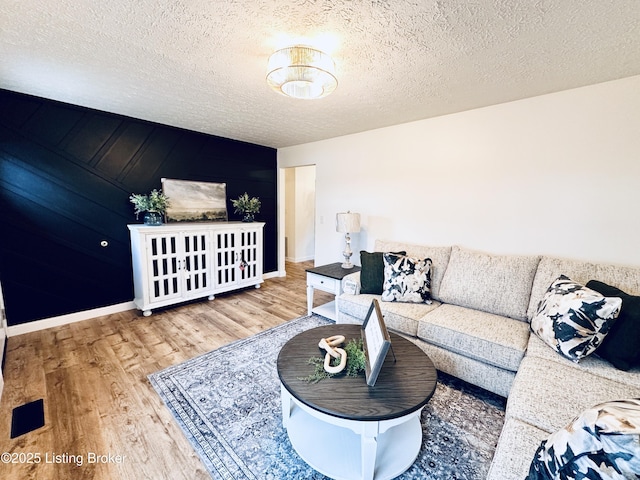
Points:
(356, 361)
(319, 372)
(244, 204)
(156, 201)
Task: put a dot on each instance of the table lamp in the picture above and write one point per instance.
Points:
(347, 223)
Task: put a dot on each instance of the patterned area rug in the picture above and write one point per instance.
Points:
(227, 402)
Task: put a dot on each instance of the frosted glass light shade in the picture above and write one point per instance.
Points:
(301, 72)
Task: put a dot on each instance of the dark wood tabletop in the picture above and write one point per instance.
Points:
(333, 270)
(403, 386)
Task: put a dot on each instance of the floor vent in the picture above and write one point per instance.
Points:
(27, 417)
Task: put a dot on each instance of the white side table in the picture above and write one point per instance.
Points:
(327, 278)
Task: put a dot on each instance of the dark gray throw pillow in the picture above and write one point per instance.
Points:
(372, 272)
(621, 347)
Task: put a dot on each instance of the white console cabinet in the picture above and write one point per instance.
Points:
(173, 263)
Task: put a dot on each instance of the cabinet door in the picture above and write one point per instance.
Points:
(224, 258)
(163, 257)
(196, 264)
(249, 255)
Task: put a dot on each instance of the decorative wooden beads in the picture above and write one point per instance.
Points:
(330, 344)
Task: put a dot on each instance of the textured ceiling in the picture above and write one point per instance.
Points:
(200, 64)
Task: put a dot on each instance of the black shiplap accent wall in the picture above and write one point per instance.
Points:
(66, 173)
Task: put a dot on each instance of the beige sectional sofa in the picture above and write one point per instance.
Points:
(478, 329)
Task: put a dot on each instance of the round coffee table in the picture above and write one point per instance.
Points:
(345, 429)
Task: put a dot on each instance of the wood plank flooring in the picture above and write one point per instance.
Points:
(92, 376)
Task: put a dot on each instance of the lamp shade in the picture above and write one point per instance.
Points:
(348, 222)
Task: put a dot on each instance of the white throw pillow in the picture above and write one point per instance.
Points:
(600, 444)
(573, 319)
(406, 279)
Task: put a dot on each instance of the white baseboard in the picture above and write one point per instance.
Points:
(300, 259)
(3, 341)
(45, 323)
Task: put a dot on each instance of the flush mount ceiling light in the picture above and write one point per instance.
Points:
(301, 72)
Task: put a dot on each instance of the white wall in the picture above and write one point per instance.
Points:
(556, 174)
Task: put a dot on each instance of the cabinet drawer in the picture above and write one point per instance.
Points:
(323, 283)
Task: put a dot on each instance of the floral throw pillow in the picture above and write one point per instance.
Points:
(406, 279)
(603, 443)
(574, 319)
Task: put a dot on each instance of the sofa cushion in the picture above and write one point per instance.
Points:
(499, 284)
(549, 394)
(372, 271)
(406, 279)
(550, 268)
(439, 258)
(516, 446)
(574, 319)
(602, 443)
(490, 338)
(399, 317)
(592, 364)
(621, 346)
(475, 372)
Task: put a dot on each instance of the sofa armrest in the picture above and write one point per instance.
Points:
(351, 283)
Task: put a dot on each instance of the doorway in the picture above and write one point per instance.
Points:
(299, 213)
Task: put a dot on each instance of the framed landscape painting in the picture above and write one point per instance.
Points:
(191, 201)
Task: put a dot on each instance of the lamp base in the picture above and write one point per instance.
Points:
(347, 252)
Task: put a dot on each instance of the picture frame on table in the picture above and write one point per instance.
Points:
(376, 342)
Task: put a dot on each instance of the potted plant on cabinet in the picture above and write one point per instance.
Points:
(248, 207)
(154, 204)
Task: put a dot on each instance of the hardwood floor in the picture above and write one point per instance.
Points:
(92, 376)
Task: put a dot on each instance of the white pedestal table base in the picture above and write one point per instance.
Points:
(349, 449)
